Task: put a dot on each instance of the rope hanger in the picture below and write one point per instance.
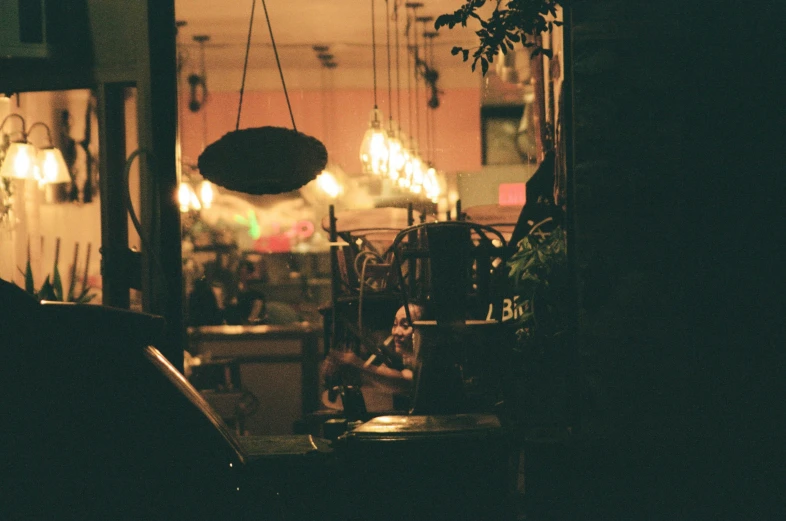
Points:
(263, 160)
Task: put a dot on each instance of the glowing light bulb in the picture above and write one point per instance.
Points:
(396, 157)
(52, 165)
(374, 147)
(416, 184)
(194, 202)
(206, 194)
(19, 161)
(184, 196)
(431, 184)
(328, 183)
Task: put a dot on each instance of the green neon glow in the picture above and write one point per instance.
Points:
(253, 225)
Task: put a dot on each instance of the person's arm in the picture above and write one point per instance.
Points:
(379, 376)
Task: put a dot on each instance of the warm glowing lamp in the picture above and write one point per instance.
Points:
(416, 185)
(206, 194)
(431, 184)
(19, 161)
(374, 147)
(194, 202)
(396, 157)
(405, 181)
(184, 196)
(52, 166)
(328, 183)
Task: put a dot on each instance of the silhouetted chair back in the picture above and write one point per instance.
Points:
(367, 235)
(502, 218)
(457, 269)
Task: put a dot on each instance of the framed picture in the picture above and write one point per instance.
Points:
(506, 136)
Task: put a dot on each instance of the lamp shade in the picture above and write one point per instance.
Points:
(374, 147)
(19, 161)
(52, 166)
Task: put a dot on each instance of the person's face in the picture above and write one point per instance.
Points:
(402, 329)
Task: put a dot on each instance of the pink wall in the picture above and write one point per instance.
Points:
(339, 118)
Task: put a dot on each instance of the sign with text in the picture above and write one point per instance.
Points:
(512, 194)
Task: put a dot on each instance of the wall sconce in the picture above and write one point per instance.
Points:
(24, 161)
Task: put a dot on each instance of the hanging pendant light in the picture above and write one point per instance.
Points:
(396, 140)
(374, 147)
(396, 156)
(411, 160)
(393, 144)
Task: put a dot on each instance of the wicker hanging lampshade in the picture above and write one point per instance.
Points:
(263, 160)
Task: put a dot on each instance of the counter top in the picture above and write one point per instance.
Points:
(280, 331)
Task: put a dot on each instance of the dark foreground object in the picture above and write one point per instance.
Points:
(102, 426)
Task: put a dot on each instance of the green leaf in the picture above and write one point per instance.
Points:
(484, 65)
(85, 296)
(444, 19)
(57, 285)
(455, 50)
(46, 292)
(29, 285)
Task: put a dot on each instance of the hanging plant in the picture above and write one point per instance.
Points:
(518, 22)
(263, 160)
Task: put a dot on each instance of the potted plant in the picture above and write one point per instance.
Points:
(52, 287)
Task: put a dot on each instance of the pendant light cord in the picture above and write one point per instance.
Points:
(278, 64)
(430, 114)
(409, 85)
(245, 64)
(415, 72)
(374, 53)
(390, 79)
(398, 68)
